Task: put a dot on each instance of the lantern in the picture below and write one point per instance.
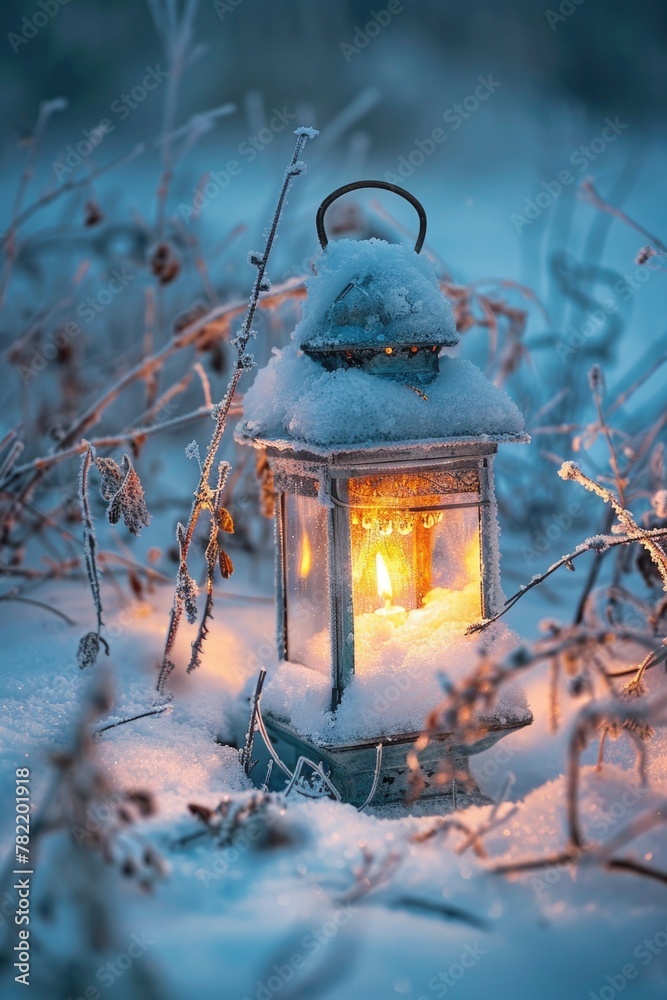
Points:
(386, 533)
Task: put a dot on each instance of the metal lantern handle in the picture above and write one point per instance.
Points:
(385, 186)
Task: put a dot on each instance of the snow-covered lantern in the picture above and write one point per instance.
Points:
(381, 448)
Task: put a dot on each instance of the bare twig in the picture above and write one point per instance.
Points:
(205, 495)
(90, 644)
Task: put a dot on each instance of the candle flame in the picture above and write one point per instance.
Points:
(383, 578)
(306, 560)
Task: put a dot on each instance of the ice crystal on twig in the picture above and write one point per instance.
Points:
(307, 131)
(192, 451)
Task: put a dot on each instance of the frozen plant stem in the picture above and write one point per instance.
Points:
(206, 496)
(571, 471)
(599, 544)
(90, 644)
(73, 444)
(46, 110)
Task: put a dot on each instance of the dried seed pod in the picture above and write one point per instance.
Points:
(165, 265)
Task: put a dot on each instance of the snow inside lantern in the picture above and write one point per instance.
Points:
(387, 542)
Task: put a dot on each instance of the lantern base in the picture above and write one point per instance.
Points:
(351, 767)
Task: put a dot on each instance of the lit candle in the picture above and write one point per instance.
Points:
(385, 591)
(306, 560)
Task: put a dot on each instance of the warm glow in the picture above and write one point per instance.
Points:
(383, 578)
(306, 560)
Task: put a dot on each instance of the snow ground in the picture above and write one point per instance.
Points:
(223, 918)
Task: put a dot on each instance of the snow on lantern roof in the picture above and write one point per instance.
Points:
(363, 370)
(370, 294)
(296, 404)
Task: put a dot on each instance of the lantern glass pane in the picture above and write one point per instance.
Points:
(306, 580)
(415, 555)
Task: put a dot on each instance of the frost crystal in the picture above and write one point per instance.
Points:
(294, 169)
(310, 133)
(568, 470)
(643, 254)
(112, 478)
(187, 590)
(192, 450)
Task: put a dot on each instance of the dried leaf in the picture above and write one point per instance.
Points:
(88, 651)
(226, 565)
(165, 265)
(112, 477)
(225, 520)
(122, 487)
(135, 583)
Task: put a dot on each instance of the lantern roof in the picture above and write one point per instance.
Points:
(295, 404)
(373, 296)
(364, 370)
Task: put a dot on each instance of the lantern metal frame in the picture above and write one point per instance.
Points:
(355, 768)
(330, 477)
